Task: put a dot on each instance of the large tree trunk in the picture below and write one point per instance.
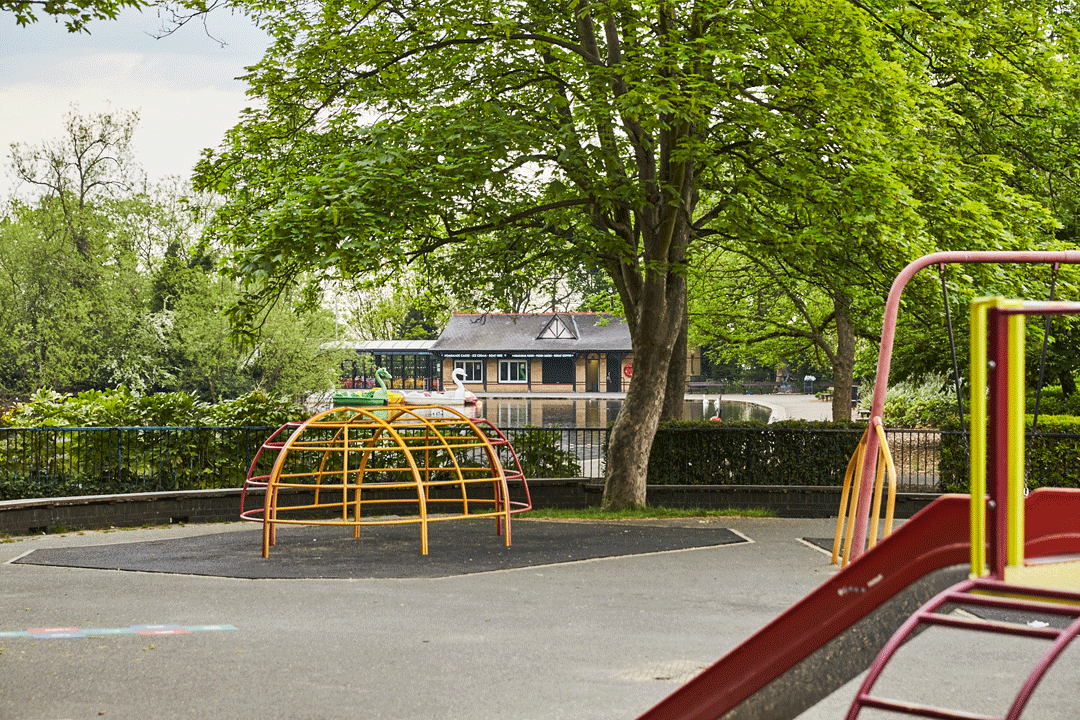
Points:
(632, 434)
(655, 340)
(675, 394)
(844, 363)
(653, 293)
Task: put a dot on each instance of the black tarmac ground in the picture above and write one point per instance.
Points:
(385, 551)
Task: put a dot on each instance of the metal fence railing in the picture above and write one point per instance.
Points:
(58, 462)
(71, 461)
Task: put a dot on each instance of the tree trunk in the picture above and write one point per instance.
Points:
(844, 364)
(632, 435)
(655, 339)
(675, 394)
(1068, 385)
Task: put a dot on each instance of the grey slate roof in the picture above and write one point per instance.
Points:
(386, 347)
(491, 333)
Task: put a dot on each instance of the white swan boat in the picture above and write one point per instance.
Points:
(459, 396)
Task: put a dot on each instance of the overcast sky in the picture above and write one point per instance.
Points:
(183, 86)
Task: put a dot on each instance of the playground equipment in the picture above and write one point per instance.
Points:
(860, 515)
(338, 466)
(837, 631)
(460, 396)
(369, 398)
(1001, 576)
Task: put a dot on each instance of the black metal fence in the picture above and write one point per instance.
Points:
(58, 462)
(61, 462)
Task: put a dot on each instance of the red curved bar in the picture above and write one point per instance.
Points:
(888, 332)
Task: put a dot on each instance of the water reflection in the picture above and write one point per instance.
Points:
(598, 413)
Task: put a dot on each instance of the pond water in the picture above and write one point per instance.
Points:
(598, 413)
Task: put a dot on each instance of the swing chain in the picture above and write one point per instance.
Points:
(1042, 374)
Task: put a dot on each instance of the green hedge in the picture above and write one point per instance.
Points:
(784, 453)
(1054, 402)
(1053, 455)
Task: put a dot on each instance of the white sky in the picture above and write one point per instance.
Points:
(183, 86)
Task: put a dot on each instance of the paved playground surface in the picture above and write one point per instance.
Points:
(577, 638)
(582, 621)
(593, 621)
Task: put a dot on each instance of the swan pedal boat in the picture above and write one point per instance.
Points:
(460, 396)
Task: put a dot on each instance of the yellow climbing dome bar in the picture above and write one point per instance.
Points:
(849, 495)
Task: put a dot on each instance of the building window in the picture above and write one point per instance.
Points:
(558, 371)
(513, 371)
(513, 414)
(474, 370)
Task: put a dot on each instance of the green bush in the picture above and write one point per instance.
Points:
(123, 408)
(1053, 455)
(41, 455)
(1053, 402)
(542, 456)
(785, 453)
(927, 402)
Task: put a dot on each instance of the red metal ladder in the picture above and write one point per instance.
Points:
(986, 593)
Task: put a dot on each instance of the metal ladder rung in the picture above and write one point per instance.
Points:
(971, 592)
(928, 711)
(992, 626)
(1020, 603)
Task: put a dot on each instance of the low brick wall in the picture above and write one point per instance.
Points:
(19, 517)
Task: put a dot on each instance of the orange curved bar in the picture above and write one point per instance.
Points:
(418, 456)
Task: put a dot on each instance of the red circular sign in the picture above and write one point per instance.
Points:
(628, 370)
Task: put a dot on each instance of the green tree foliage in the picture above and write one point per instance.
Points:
(71, 282)
(404, 309)
(104, 282)
(478, 141)
(76, 14)
(950, 110)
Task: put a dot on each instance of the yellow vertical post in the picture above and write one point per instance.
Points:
(850, 479)
(345, 475)
(1014, 549)
(856, 486)
(977, 416)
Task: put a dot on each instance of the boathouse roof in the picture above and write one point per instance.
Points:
(539, 334)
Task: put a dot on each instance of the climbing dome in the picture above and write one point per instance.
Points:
(355, 466)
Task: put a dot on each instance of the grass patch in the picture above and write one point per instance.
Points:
(595, 513)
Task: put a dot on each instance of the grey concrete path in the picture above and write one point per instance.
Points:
(788, 407)
(599, 639)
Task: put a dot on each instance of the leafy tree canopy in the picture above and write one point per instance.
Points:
(76, 14)
(104, 282)
(477, 141)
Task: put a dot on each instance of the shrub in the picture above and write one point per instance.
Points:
(123, 408)
(1053, 402)
(1053, 455)
(786, 453)
(542, 456)
(927, 402)
(39, 457)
